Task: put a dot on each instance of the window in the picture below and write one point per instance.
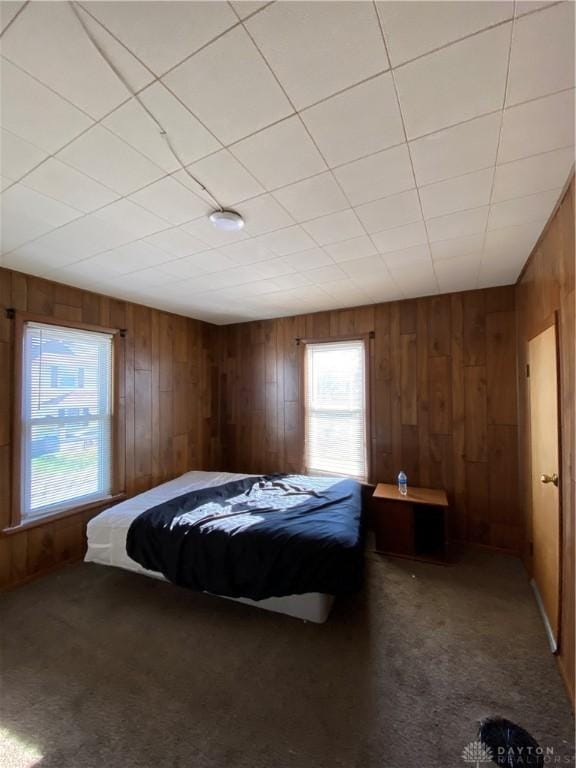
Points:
(335, 409)
(66, 418)
(66, 377)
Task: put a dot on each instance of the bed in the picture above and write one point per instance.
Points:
(285, 543)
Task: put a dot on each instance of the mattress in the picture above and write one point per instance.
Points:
(107, 534)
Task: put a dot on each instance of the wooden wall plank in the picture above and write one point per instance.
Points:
(408, 379)
(475, 413)
(154, 446)
(501, 364)
(430, 359)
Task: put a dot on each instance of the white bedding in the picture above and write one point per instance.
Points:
(108, 531)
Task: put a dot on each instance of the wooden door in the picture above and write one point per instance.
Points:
(543, 384)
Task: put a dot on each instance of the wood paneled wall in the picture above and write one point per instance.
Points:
(443, 392)
(168, 406)
(545, 288)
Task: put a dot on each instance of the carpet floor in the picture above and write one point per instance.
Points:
(106, 669)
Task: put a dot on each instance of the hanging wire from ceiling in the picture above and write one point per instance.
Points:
(161, 130)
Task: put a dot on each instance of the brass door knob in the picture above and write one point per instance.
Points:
(550, 479)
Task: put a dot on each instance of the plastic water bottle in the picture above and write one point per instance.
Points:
(403, 483)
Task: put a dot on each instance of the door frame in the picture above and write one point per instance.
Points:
(554, 322)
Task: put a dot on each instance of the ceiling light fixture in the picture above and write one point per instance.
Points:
(227, 221)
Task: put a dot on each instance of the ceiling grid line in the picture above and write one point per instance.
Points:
(330, 169)
(402, 117)
(508, 64)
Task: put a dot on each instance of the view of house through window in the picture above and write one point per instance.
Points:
(66, 418)
(335, 405)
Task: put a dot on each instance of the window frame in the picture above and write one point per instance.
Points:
(17, 522)
(366, 338)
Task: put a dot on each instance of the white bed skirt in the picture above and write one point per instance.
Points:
(107, 534)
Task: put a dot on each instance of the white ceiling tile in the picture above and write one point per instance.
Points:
(312, 198)
(81, 272)
(274, 268)
(26, 215)
(36, 114)
(205, 231)
(206, 262)
(249, 290)
(263, 214)
(171, 201)
(538, 126)
(532, 174)
(522, 210)
(458, 194)
(176, 242)
(400, 238)
(143, 278)
(327, 274)
(230, 88)
(22, 261)
(248, 251)
(444, 88)
(357, 248)
(75, 70)
(377, 176)
(130, 257)
(370, 267)
(5, 182)
(458, 150)
(17, 156)
(542, 57)
(457, 247)
(344, 289)
(528, 6)
(187, 135)
(458, 274)
(316, 49)
(234, 276)
(8, 11)
(106, 158)
(358, 122)
(183, 268)
(412, 29)
(128, 216)
(69, 186)
(416, 284)
(289, 240)
(500, 272)
(334, 228)
(245, 8)
(415, 256)
(389, 212)
(308, 259)
(384, 290)
(469, 222)
(281, 154)
(77, 240)
(164, 34)
(513, 242)
(287, 282)
(224, 176)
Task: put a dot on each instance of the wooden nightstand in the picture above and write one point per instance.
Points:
(413, 526)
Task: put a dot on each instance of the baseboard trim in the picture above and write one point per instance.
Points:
(549, 633)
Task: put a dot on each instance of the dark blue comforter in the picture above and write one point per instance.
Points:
(259, 537)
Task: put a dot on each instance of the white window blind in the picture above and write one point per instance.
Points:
(66, 418)
(335, 409)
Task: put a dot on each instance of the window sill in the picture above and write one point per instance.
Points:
(38, 521)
